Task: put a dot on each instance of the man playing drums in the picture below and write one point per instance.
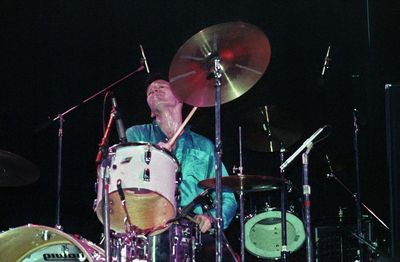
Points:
(194, 152)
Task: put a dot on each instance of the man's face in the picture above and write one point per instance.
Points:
(159, 96)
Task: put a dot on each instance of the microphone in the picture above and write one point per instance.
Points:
(326, 61)
(144, 60)
(118, 120)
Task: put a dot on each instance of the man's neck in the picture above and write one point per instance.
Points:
(169, 120)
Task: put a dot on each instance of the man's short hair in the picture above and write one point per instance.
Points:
(153, 77)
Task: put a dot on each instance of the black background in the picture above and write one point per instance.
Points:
(56, 53)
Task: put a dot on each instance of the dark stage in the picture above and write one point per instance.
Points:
(56, 53)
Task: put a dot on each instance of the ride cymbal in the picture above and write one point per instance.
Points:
(244, 52)
(16, 171)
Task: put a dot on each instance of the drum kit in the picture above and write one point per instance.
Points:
(215, 66)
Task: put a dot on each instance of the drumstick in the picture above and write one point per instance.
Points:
(178, 132)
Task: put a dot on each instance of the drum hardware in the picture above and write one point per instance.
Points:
(129, 227)
(241, 198)
(146, 175)
(237, 54)
(284, 245)
(306, 147)
(147, 155)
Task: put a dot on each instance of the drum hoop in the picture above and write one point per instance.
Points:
(142, 143)
(67, 239)
(294, 220)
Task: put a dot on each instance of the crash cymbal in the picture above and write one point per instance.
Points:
(16, 171)
(244, 51)
(245, 183)
(266, 127)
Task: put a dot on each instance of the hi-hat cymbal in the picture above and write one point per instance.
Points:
(16, 171)
(245, 183)
(244, 51)
(266, 127)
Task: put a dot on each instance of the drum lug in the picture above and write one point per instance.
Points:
(177, 195)
(146, 175)
(178, 176)
(147, 154)
(291, 209)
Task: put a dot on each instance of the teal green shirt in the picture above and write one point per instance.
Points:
(196, 155)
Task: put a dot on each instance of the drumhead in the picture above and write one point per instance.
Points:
(40, 243)
(141, 143)
(263, 234)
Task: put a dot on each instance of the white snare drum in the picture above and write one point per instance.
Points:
(149, 177)
(34, 243)
(263, 234)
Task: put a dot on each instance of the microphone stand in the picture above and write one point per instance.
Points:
(307, 204)
(308, 144)
(60, 118)
(102, 157)
(59, 168)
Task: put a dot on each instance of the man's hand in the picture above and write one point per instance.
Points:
(204, 222)
(165, 146)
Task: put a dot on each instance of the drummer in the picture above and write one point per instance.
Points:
(194, 152)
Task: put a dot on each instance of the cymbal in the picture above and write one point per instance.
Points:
(245, 183)
(266, 127)
(16, 171)
(244, 51)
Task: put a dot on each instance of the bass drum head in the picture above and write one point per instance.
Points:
(263, 234)
(33, 243)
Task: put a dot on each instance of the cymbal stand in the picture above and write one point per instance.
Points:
(218, 163)
(357, 170)
(267, 129)
(241, 199)
(354, 195)
(103, 159)
(284, 249)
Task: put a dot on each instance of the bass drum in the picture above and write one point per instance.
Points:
(34, 243)
(263, 234)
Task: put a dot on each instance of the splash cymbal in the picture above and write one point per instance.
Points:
(245, 183)
(244, 51)
(16, 171)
